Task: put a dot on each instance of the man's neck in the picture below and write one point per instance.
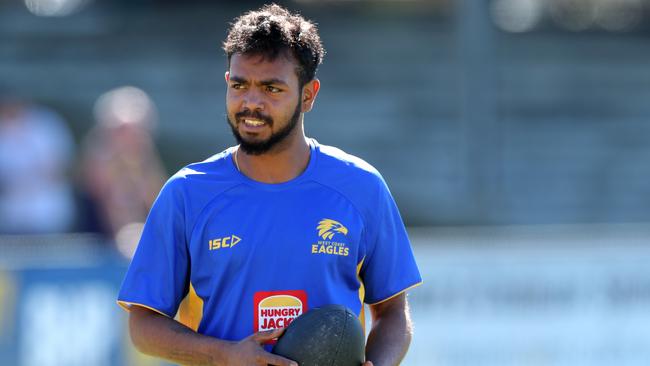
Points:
(277, 166)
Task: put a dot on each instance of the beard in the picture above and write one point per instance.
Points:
(264, 146)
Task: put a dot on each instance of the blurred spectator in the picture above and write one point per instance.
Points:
(120, 167)
(36, 149)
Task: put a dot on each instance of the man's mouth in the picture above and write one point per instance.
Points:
(252, 122)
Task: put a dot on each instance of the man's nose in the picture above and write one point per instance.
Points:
(253, 100)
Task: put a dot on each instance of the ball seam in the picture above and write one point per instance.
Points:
(338, 345)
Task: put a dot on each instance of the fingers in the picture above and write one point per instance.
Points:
(267, 335)
(279, 360)
(265, 358)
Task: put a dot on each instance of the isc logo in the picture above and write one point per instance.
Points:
(227, 242)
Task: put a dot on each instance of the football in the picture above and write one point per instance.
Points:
(327, 336)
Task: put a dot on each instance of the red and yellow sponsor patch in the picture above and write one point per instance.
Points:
(277, 309)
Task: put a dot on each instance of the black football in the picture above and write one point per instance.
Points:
(327, 336)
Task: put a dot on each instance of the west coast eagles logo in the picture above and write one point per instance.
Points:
(328, 227)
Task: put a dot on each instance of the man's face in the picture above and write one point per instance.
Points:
(263, 101)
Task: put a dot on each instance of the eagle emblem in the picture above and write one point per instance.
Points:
(328, 227)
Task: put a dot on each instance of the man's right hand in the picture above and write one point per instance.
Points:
(249, 351)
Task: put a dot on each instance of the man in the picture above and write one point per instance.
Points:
(36, 152)
(244, 242)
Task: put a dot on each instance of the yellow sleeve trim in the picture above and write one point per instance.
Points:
(190, 312)
(362, 296)
(126, 305)
(390, 297)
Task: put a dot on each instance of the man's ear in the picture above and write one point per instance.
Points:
(309, 92)
(227, 76)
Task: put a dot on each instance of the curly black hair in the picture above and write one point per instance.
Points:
(273, 30)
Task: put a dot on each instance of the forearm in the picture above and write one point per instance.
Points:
(162, 337)
(389, 338)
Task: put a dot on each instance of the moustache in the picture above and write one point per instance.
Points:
(253, 115)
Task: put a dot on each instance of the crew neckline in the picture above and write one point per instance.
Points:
(313, 157)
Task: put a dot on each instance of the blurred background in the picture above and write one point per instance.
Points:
(514, 135)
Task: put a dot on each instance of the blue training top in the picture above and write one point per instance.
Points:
(232, 256)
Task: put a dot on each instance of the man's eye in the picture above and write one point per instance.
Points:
(237, 86)
(273, 89)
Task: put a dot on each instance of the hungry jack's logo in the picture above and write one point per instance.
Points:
(277, 309)
(327, 228)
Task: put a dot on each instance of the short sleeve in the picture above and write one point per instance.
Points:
(158, 275)
(389, 267)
